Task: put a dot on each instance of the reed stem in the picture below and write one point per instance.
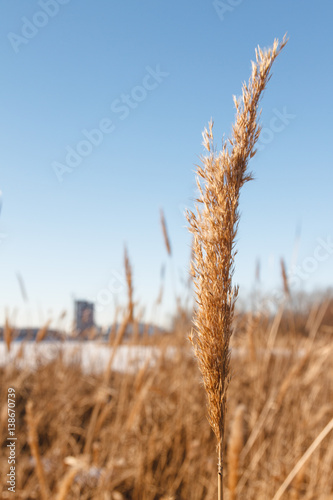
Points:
(220, 471)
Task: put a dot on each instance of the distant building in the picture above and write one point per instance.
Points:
(84, 315)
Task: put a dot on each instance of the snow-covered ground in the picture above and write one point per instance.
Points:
(93, 356)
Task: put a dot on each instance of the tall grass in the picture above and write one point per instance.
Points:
(214, 227)
(148, 440)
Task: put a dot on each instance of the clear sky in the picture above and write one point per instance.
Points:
(102, 108)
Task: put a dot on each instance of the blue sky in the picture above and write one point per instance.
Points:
(149, 76)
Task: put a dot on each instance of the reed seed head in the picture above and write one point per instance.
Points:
(214, 227)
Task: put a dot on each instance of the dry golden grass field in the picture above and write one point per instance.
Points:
(146, 435)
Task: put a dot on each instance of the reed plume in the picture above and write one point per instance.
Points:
(285, 281)
(165, 233)
(214, 226)
(129, 281)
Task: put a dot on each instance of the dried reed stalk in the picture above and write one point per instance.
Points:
(288, 297)
(235, 446)
(66, 483)
(96, 413)
(165, 233)
(128, 271)
(305, 457)
(116, 343)
(8, 334)
(92, 426)
(285, 281)
(42, 332)
(33, 443)
(251, 326)
(214, 227)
